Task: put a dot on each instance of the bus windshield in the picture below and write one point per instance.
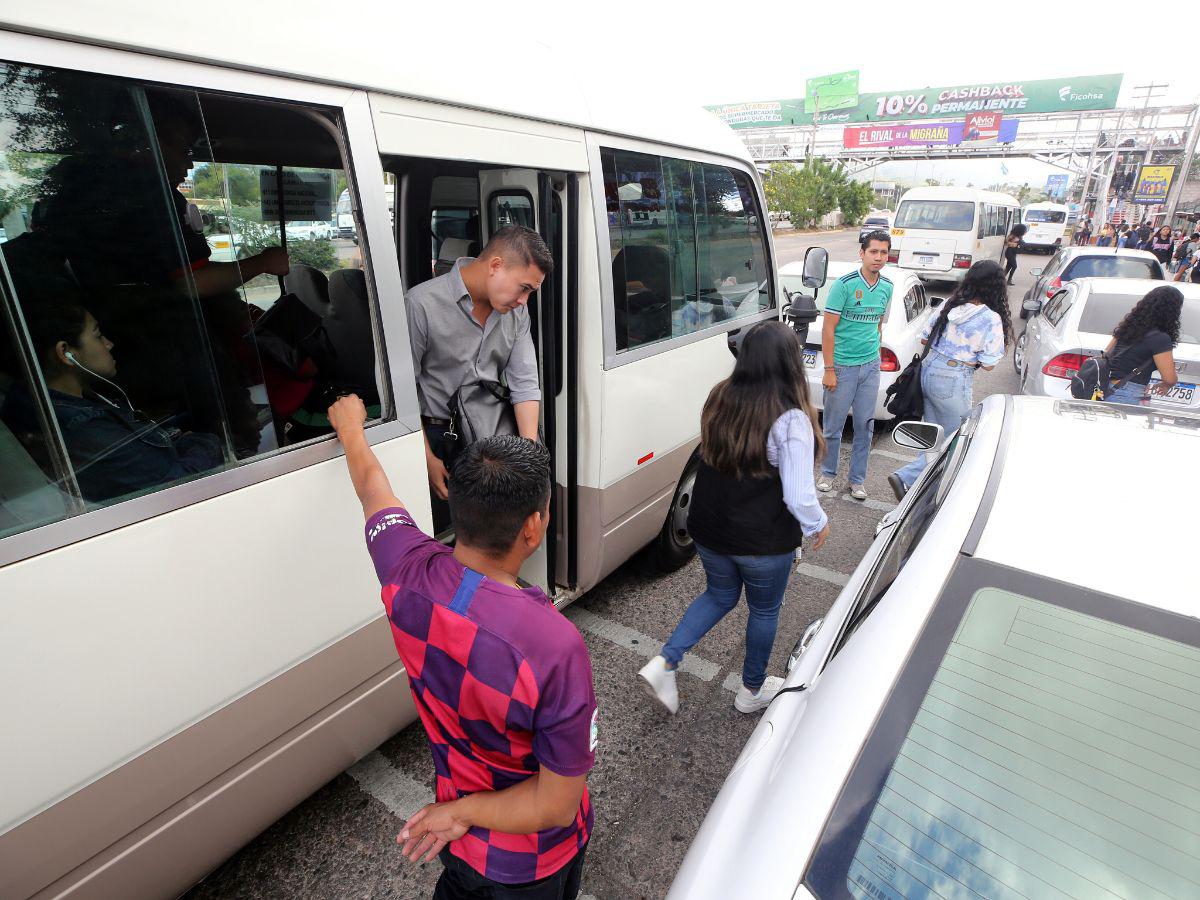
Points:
(1048, 216)
(937, 215)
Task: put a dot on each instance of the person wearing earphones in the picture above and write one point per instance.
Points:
(114, 449)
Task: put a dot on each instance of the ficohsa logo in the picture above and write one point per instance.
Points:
(1065, 94)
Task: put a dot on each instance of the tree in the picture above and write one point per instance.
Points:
(210, 180)
(854, 200)
(809, 191)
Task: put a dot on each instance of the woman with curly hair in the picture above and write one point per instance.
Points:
(1143, 342)
(971, 332)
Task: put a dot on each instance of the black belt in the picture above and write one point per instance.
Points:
(435, 423)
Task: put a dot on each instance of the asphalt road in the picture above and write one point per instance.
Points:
(656, 775)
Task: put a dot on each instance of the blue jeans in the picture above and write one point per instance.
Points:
(857, 390)
(1129, 392)
(947, 391)
(765, 578)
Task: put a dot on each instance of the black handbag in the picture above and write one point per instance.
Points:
(477, 410)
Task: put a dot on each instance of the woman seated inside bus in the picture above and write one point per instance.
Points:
(114, 449)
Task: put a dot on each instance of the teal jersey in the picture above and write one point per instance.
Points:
(860, 308)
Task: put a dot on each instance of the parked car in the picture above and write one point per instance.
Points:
(311, 231)
(875, 222)
(1070, 263)
(1001, 701)
(1077, 322)
(911, 306)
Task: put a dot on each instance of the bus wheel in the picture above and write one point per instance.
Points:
(675, 546)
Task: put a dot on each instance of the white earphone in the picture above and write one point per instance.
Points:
(73, 361)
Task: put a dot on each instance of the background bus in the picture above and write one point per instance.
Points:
(940, 231)
(345, 212)
(1047, 224)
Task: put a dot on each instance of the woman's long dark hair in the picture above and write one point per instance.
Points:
(768, 380)
(1019, 231)
(1162, 308)
(984, 282)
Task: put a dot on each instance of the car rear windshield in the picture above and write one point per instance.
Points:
(938, 215)
(1033, 747)
(875, 222)
(1103, 312)
(1114, 267)
(1048, 216)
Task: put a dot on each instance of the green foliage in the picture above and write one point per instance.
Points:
(321, 255)
(814, 189)
(209, 180)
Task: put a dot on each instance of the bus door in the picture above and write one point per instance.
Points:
(538, 200)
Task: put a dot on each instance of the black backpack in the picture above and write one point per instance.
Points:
(904, 398)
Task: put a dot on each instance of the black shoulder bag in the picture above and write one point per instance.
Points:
(904, 398)
(479, 409)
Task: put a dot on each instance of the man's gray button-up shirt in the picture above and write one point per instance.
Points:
(450, 348)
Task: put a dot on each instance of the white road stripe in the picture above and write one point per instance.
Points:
(402, 794)
(822, 573)
(639, 643)
(892, 454)
(868, 503)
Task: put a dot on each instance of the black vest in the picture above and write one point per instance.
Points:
(741, 516)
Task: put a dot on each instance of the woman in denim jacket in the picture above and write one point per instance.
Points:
(970, 333)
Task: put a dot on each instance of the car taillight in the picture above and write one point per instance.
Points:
(962, 260)
(1065, 365)
(893, 256)
(888, 361)
(1053, 287)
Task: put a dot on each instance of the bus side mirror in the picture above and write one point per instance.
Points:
(816, 264)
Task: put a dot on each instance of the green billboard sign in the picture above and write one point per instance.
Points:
(1010, 98)
(832, 92)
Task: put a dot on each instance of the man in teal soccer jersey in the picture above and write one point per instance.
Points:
(850, 340)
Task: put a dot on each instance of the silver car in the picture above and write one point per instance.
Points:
(1077, 322)
(1070, 263)
(1001, 703)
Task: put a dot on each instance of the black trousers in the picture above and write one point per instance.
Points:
(460, 882)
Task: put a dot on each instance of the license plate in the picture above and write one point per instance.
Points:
(810, 358)
(925, 260)
(1181, 394)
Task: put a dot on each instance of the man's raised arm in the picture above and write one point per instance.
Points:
(371, 483)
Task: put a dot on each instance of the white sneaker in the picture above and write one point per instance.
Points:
(824, 484)
(858, 491)
(659, 683)
(748, 702)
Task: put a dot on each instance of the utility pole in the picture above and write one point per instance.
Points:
(1181, 176)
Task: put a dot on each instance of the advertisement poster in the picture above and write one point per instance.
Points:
(941, 134)
(1153, 183)
(1004, 97)
(1056, 186)
(839, 91)
(983, 128)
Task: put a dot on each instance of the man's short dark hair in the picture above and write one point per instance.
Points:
(495, 485)
(876, 235)
(516, 243)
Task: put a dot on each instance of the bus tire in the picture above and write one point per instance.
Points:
(675, 547)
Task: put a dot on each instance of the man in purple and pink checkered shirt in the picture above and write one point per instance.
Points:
(501, 680)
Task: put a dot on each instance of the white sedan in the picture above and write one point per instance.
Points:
(910, 308)
(1000, 703)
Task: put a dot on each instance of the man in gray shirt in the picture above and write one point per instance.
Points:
(471, 325)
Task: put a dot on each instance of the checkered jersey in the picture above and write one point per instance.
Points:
(502, 682)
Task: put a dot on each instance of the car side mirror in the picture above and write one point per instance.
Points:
(816, 265)
(1032, 306)
(935, 302)
(917, 435)
(1036, 273)
(801, 645)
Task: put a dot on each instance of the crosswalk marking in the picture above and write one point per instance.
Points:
(402, 794)
(877, 505)
(639, 643)
(892, 454)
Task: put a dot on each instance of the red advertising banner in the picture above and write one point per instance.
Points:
(983, 126)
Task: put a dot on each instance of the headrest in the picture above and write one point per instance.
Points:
(453, 248)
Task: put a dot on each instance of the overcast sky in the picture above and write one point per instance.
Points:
(706, 53)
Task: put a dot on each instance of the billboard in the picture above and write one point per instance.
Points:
(1153, 183)
(1056, 186)
(940, 134)
(983, 128)
(1004, 97)
(839, 91)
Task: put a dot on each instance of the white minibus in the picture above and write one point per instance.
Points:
(940, 231)
(1047, 224)
(191, 636)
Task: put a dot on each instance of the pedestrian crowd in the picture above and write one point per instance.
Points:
(501, 680)
(1175, 249)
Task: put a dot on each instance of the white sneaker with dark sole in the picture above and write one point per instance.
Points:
(824, 484)
(659, 682)
(858, 491)
(748, 702)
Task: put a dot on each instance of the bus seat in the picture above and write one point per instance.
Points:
(452, 249)
(348, 327)
(310, 285)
